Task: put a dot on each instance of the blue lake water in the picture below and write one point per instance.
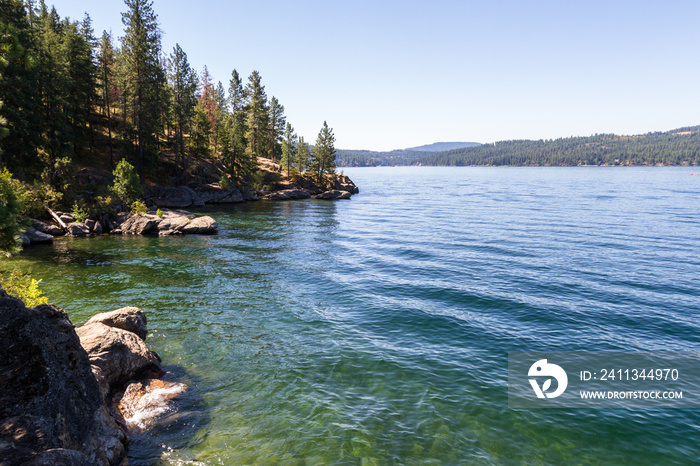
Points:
(376, 330)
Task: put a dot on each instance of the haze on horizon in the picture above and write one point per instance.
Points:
(396, 74)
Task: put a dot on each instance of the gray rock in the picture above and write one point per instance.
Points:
(250, 197)
(51, 408)
(117, 356)
(37, 237)
(131, 319)
(232, 196)
(140, 224)
(25, 240)
(97, 229)
(48, 228)
(288, 195)
(90, 224)
(201, 226)
(66, 217)
(77, 230)
(334, 194)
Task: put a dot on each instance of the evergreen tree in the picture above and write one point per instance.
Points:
(289, 143)
(303, 155)
(257, 117)
(18, 90)
(323, 155)
(106, 79)
(144, 76)
(200, 132)
(240, 164)
(183, 85)
(275, 128)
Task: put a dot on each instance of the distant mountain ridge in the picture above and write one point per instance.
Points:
(443, 146)
(369, 158)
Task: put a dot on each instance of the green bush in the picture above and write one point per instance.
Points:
(224, 183)
(126, 187)
(21, 285)
(139, 208)
(10, 228)
(79, 214)
(159, 213)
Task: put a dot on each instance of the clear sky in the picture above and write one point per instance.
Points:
(391, 74)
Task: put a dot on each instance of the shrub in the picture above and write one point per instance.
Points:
(225, 185)
(139, 208)
(79, 214)
(126, 187)
(10, 229)
(159, 213)
(21, 285)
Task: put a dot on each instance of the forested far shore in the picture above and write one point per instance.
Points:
(677, 147)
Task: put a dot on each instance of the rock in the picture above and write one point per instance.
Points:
(131, 319)
(117, 356)
(106, 224)
(90, 224)
(25, 240)
(140, 224)
(250, 197)
(288, 194)
(201, 226)
(37, 237)
(173, 223)
(178, 197)
(48, 228)
(97, 229)
(144, 402)
(66, 218)
(51, 409)
(220, 196)
(77, 230)
(334, 194)
(344, 183)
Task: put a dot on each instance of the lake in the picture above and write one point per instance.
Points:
(377, 330)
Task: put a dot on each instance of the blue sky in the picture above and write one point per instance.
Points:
(395, 74)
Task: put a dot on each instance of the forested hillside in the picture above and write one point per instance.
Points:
(368, 158)
(680, 146)
(72, 98)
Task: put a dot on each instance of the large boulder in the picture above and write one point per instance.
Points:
(131, 319)
(334, 194)
(37, 237)
(288, 195)
(117, 356)
(48, 228)
(201, 226)
(51, 408)
(77, 230)
(177, 197)
(140, 224)
(221, 196)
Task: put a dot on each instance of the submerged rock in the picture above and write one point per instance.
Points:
(144, 402)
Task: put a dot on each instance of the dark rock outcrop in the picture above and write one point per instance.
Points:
(32, 236)
(51, 409)
(334, 194)
(344, 183)
(177, 197)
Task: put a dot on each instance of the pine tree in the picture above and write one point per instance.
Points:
(240, 164)
(275, 129)
(289, 143)
(183, 85)
(144, 76)
(200, 132)
(106, 83)
(323, 155)
(19, 90)
(257, 117)
(303, 156)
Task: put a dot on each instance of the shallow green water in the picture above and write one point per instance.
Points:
(376, 330)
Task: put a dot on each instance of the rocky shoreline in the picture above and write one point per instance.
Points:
(170, 201)
(72, 396)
